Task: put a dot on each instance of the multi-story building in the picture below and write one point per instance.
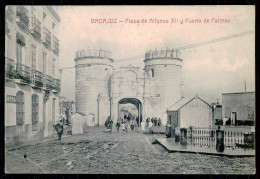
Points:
(32, 81)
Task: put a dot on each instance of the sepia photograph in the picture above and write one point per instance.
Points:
(129, 89)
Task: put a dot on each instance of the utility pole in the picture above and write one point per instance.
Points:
(245, 86)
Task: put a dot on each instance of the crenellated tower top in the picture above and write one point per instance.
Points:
(168, 53)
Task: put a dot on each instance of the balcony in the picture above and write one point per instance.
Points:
(23, 73)
(36, 27)
(56, 85)
(9, 68)
(46, 36)
(55, 44)
(49, 82)
(10, 11)
(22, 16)
(37, 78)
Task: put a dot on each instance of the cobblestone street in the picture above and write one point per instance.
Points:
(101, 152)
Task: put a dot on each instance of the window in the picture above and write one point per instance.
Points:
(44, 62)
(19, 108)
(53, 67)
(33, 57)
(152, 72)
(35, 112)
(20, 48)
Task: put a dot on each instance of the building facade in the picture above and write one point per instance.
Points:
(32, 79)
(239, 107)
(101, 89)
(193, 112)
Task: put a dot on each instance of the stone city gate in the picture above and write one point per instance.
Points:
(101, 88)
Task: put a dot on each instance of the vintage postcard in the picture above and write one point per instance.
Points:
(130, 89)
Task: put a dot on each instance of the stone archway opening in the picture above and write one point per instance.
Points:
(131, 109)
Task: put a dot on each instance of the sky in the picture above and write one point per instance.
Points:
(208, 70)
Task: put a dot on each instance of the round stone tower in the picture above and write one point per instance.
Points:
(93, 71)
(163, 69)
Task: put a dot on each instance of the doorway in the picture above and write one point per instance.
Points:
(130, 109)
(233, 118)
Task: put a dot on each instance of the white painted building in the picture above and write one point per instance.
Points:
(190, 112)
(32, 79)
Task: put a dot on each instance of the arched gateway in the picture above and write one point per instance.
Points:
(134, 111)
(103, 90)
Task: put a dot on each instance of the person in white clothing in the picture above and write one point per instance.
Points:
(143, 126)
(150, 125)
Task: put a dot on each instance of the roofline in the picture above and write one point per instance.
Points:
(239, 92)
(174, 103)
(195, 97)
(205, 102)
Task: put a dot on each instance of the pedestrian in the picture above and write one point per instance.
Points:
(159, 122)
(123, 127)
(118, 125)
(143, 126)
(110, 125)
(107, 121)
(155, 121)
(137, 120)
(128, 118)
(136, 126)
(152, 120)
(126, 126)
(132, 125)
(59, 129)
(150, 125)
(147, 121)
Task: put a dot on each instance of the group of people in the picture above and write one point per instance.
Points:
(155, 121)
(124, 124)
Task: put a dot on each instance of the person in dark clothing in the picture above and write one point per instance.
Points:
(159, 122)
(118, 126)
(125, 116)
(137, 121)
(110, 125)
(132, 126)
(59, 129)
(155, 121)
(147, 121)
(107, 121)
(128, 119)
(152, 120)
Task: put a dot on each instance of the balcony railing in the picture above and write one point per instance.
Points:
(49, 82)
(22, 72)
(56, 44)
(46, 36)
(9, 67)
(36, 27)
(10, 10)
(37, 78)
(56, 84)
(22, 15)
